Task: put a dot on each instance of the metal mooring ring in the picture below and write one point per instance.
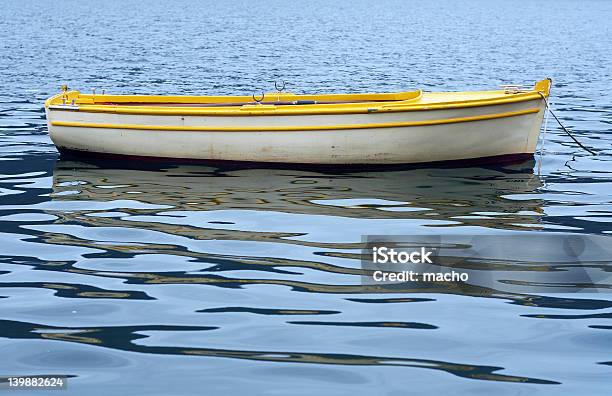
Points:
(281, 89)
(263, 95)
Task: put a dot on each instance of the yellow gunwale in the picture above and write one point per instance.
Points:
(394, 102)
(293, 128)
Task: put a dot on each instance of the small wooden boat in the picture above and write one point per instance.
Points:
(280, 127)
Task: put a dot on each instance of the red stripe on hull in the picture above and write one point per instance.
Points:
(492, 160)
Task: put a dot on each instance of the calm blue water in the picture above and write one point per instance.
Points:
(185, 280)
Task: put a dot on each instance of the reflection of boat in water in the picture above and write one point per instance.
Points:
(170, 201)
(478, 196)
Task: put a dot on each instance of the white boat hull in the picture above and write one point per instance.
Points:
(376, 138)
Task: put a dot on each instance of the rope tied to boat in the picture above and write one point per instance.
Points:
(543, 142)
(567, 131)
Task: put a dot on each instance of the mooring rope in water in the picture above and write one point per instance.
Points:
(563, 127)
(543, 141)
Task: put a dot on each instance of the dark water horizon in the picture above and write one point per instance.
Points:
(158, 279)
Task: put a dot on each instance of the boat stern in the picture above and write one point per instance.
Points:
(55, 105)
